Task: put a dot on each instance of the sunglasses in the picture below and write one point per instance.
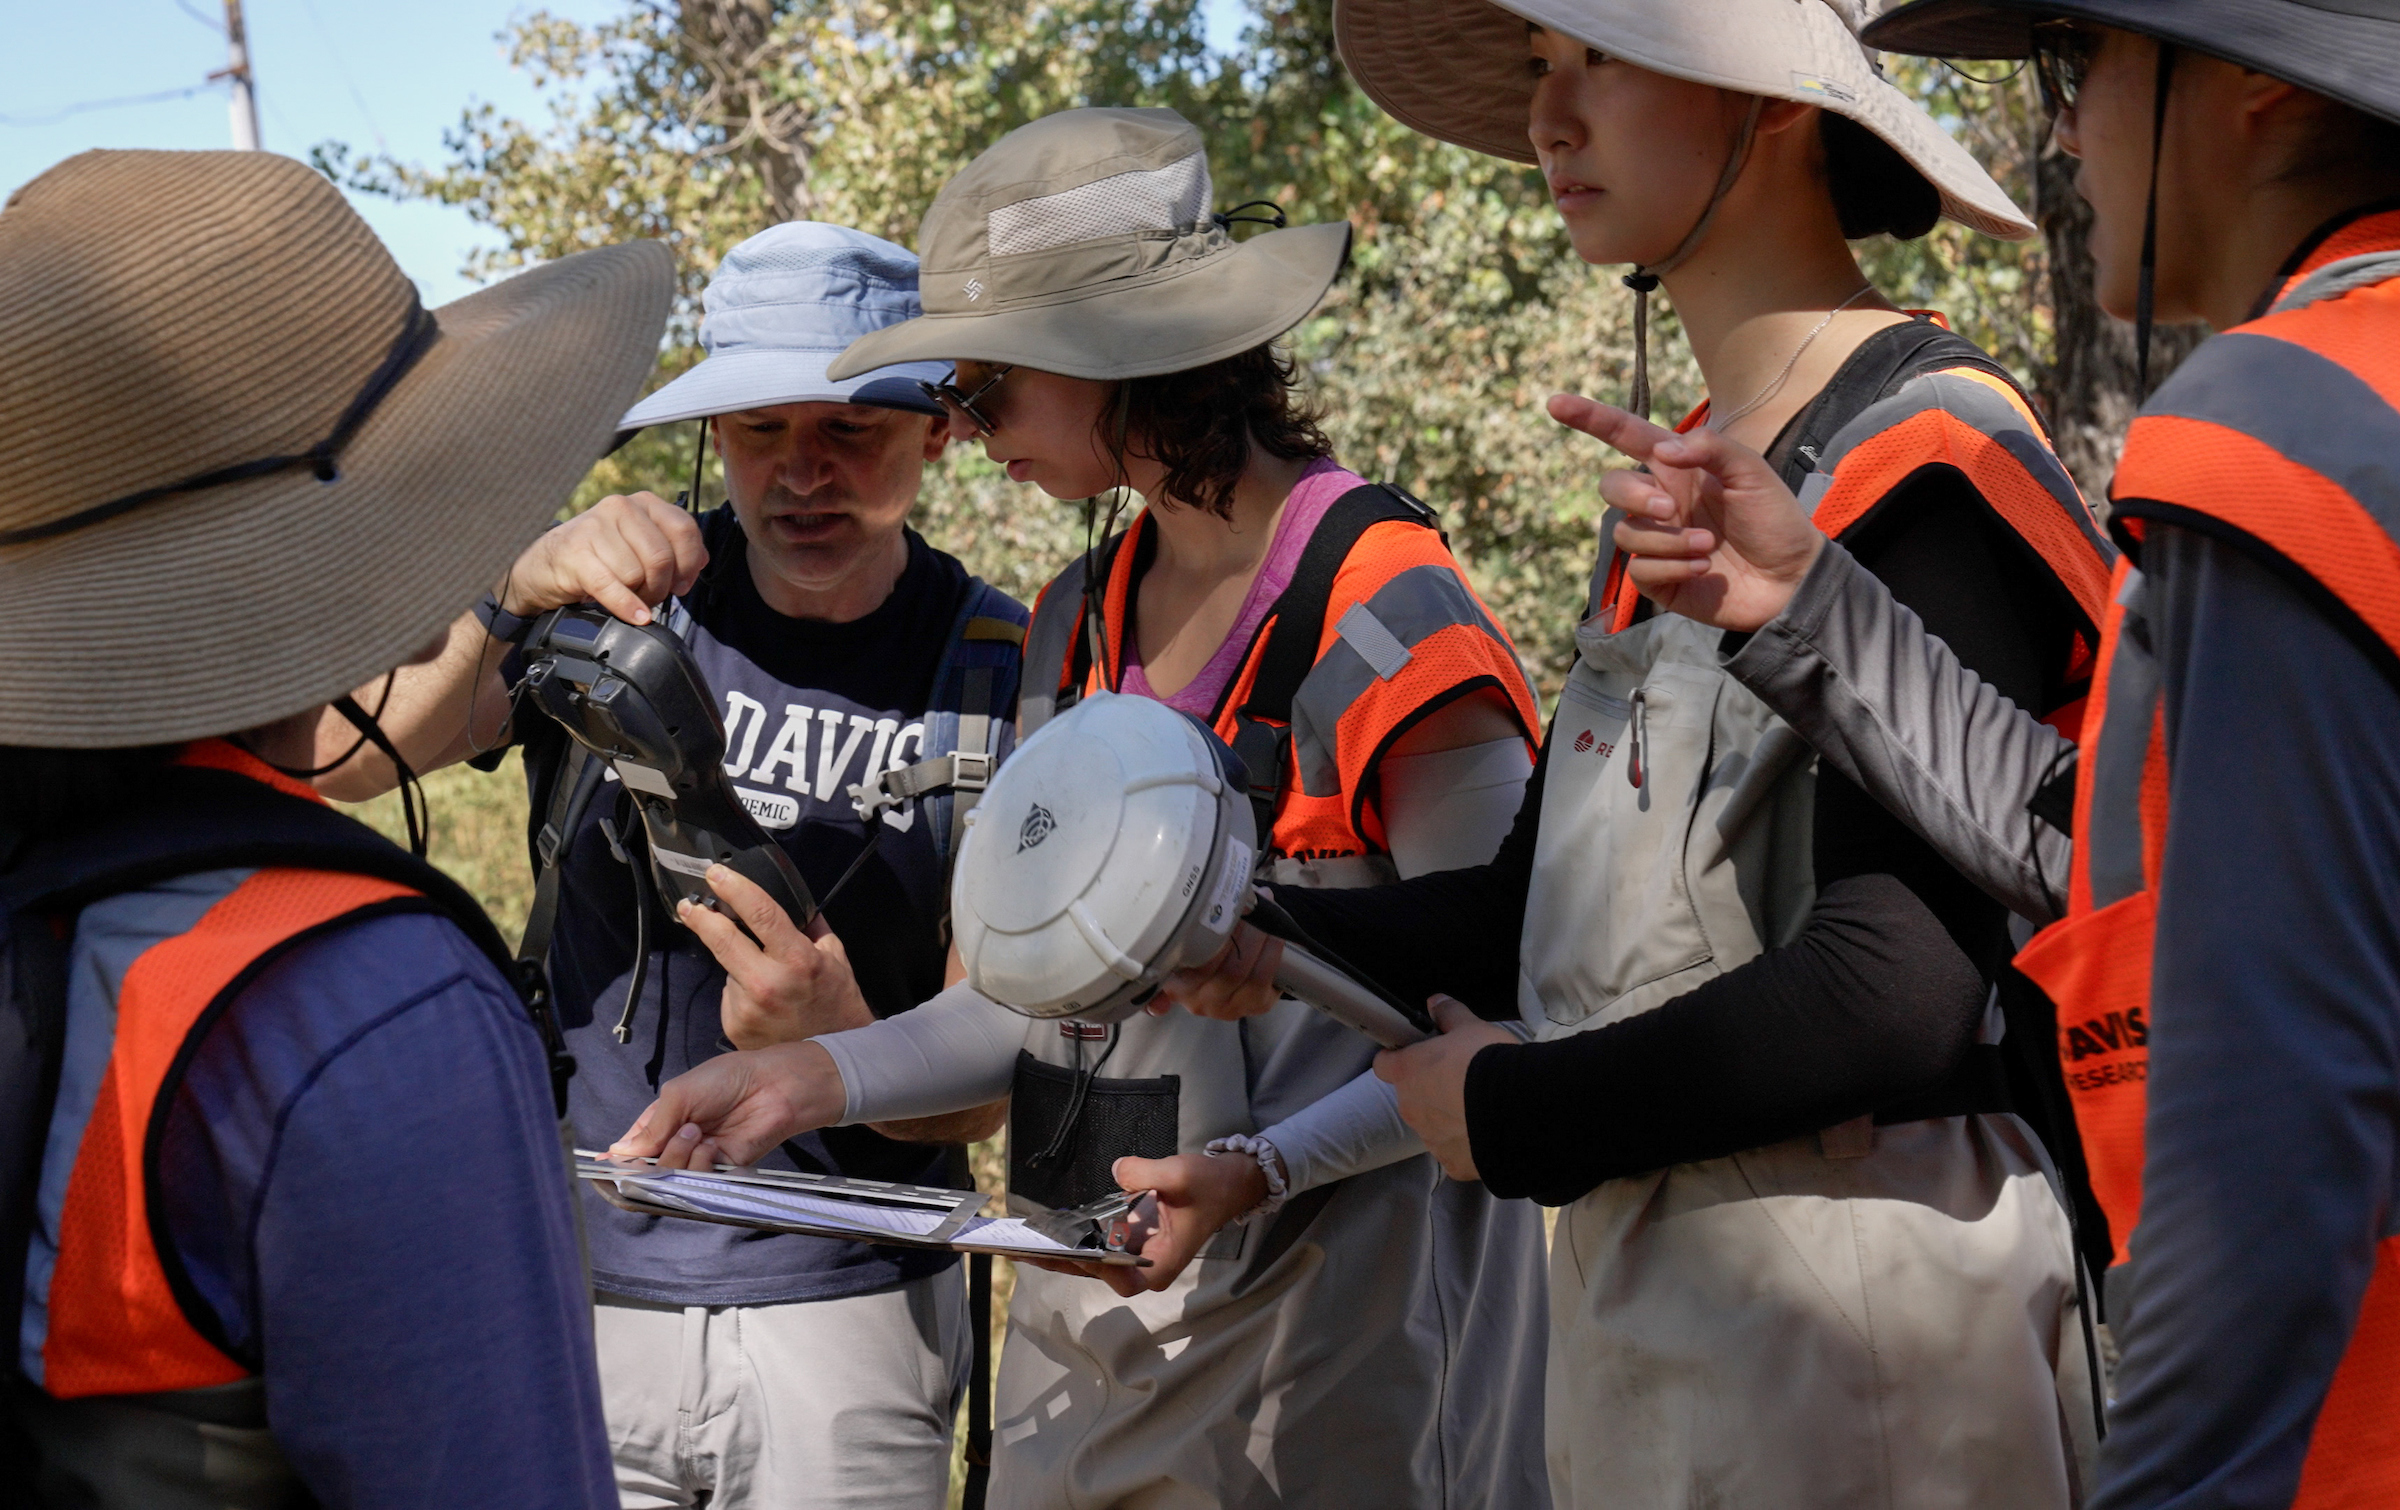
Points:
(962, 405)
(2062, 59)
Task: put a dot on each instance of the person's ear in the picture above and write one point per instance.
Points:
(1776, 116)
(937, 436)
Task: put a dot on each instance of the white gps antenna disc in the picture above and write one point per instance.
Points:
(1107, 852)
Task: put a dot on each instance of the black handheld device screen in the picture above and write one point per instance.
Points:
(631, 695)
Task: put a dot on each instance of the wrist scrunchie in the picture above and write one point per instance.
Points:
(1270, 1164)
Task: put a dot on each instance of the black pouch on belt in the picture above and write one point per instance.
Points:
(1067, 1129)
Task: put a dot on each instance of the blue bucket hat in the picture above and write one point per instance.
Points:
(781, 307)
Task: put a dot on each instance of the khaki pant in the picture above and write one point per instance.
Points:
(818, 1405)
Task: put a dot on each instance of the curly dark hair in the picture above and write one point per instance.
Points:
(1199, 424)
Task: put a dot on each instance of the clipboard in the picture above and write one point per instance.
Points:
(868, 1211)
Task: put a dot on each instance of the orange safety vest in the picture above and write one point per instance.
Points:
(107, 1309)
(2273, 437)
(1987, 434)
(1401, 634)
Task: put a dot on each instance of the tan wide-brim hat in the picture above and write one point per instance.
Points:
(1455, 70)
(1085, 244)
(169, 315)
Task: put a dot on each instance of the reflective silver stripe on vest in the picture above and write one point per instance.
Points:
(1975, 404)
(109, 936)
(2312, 410)
(2113, 850)
(2335, 279)
(1047, 644)
(1417, 603)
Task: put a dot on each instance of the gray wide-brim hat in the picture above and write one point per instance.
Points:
(781, 307)
(1455, 70)
(2346, 50)
(247, 472)
(1085, 244)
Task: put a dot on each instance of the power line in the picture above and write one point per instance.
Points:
(216, 26)
(343, 69)
(83, 107)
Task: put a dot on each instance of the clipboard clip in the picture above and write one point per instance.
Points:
(1118, 1222)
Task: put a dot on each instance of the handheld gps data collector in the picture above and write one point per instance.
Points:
(631, 695)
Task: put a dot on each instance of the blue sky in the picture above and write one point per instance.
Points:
(383, 74)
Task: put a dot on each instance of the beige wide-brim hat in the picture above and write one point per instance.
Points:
(168, 315)
(1085, 244)
(1455, 70)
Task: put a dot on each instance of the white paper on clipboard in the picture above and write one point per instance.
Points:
(869, 1211)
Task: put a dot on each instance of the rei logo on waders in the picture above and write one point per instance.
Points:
(1036, 827)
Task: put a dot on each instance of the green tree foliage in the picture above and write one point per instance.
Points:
(702, 123)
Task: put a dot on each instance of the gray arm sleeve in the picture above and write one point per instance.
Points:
(1450, 809)
(953, 1052)
(1888, 705)
(1442, 811)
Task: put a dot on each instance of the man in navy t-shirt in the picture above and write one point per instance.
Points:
(752, 1367)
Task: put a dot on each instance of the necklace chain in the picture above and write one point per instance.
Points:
(1775, 385)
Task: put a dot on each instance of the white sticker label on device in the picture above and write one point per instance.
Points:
(1225, 903)
(644, 778)
(682, 865)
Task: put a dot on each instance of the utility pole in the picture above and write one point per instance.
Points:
(237, 72)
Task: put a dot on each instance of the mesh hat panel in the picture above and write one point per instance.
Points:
(1167, 200)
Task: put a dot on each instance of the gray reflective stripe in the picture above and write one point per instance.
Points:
(109, 936)
(1813, 489)
(2113, 849)
(1376, 645)
(2311, 409)
(1418, 602)
(1976, 405)
(1047, 643)
(2335, 279)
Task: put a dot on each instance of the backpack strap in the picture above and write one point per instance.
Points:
(1887, 361)
(1059, 655)
(978, 675)
(1295, 628)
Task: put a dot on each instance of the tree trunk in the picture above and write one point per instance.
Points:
(2089, 386)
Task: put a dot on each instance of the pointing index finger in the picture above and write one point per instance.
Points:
(1621, 428)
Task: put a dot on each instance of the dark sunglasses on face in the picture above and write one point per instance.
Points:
(963, 405)
(2062, 58)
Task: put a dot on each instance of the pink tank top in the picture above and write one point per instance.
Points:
(1315, 493)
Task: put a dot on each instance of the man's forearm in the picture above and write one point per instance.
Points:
(973, 1125)
(1889, 706)
(437, 714)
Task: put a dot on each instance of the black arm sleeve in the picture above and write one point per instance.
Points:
(1881, 996)
(1454, 931)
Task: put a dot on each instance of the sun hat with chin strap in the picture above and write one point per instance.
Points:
(248, 471)
(1455, 69)
(1085, 244)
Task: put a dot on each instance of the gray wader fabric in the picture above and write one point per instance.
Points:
(1378, 1343)
(1872, 1316)
(193, 1449)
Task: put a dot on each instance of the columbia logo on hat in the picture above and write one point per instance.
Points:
(973, 290)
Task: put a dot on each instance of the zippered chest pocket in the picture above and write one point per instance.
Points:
(1611, 908)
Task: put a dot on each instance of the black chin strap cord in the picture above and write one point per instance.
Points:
(412, 796)
(1095, 590)
(2145, 294)
(1643, 280)
(691, 499)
